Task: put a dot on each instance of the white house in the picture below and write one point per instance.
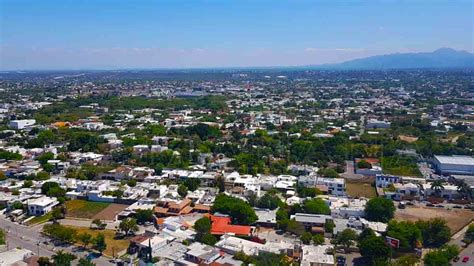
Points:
(41, 206)
(317, 255)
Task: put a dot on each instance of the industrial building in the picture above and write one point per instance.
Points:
(463, 165)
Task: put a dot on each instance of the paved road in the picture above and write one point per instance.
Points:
(350, 172)
(32, 239)
(467, 252)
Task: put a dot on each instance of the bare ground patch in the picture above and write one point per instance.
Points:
(361, 188)
(456, 218)
(110, 212)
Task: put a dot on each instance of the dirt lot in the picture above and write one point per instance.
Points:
(110, 212)
(408, 139)
(456, 218)
(362, 188)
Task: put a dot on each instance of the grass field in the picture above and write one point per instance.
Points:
(456, 218)
(113, 245)
(40, 219)
(400, 165)
(84, 209)
(360, 189)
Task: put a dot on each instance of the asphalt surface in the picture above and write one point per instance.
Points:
(467, 252)
(32, 239)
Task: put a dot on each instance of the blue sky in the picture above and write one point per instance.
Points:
(107, 34)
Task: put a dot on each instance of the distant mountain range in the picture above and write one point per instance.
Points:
(441, 58)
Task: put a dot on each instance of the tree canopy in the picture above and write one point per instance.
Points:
(239, 210)
(380, 210)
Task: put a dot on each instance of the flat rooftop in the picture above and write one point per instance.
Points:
(459, 159)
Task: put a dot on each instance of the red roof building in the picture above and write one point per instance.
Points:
(222, 225)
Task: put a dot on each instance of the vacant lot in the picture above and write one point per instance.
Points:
(110, 212)
(408, 139)
(456, 218)
(84, 209)
(113, 245)
(360, 189)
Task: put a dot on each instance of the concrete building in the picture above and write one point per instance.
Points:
(462, 165)
(41, 206)
(317, 255)
(376, 124)
(21, 124)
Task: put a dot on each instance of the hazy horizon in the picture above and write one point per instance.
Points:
(102, 34)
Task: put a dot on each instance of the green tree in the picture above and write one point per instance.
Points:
(85, 262)
(47, 186)
(63, 258)
(435, 232)
(269, 201)
(2, 237)
(346, 238)
(329, 226)
(57, 213)
(132, 182)
(99, 243)
(295, 227)
(373, 248)
(208, 239)
(85, 239)
(282, 218)
(27, 184)
(318, 239)
(144, 216)
(469, 236)
(202, 225)
(364, 164)
(42, 176)
(407, 260)
(306, 238)
(437, 186)
(316, 206)
(239, 210)
(13, 156)
(17, 205)
(380, 210)
(441, 257)
(407, 232)
(128, 226)
(192, 183)
(182, 190)
(45, 157)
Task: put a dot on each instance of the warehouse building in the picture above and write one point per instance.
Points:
(462, 165)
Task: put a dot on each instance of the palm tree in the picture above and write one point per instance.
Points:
(437, 186)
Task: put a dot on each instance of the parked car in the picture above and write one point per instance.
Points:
(465, 259)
